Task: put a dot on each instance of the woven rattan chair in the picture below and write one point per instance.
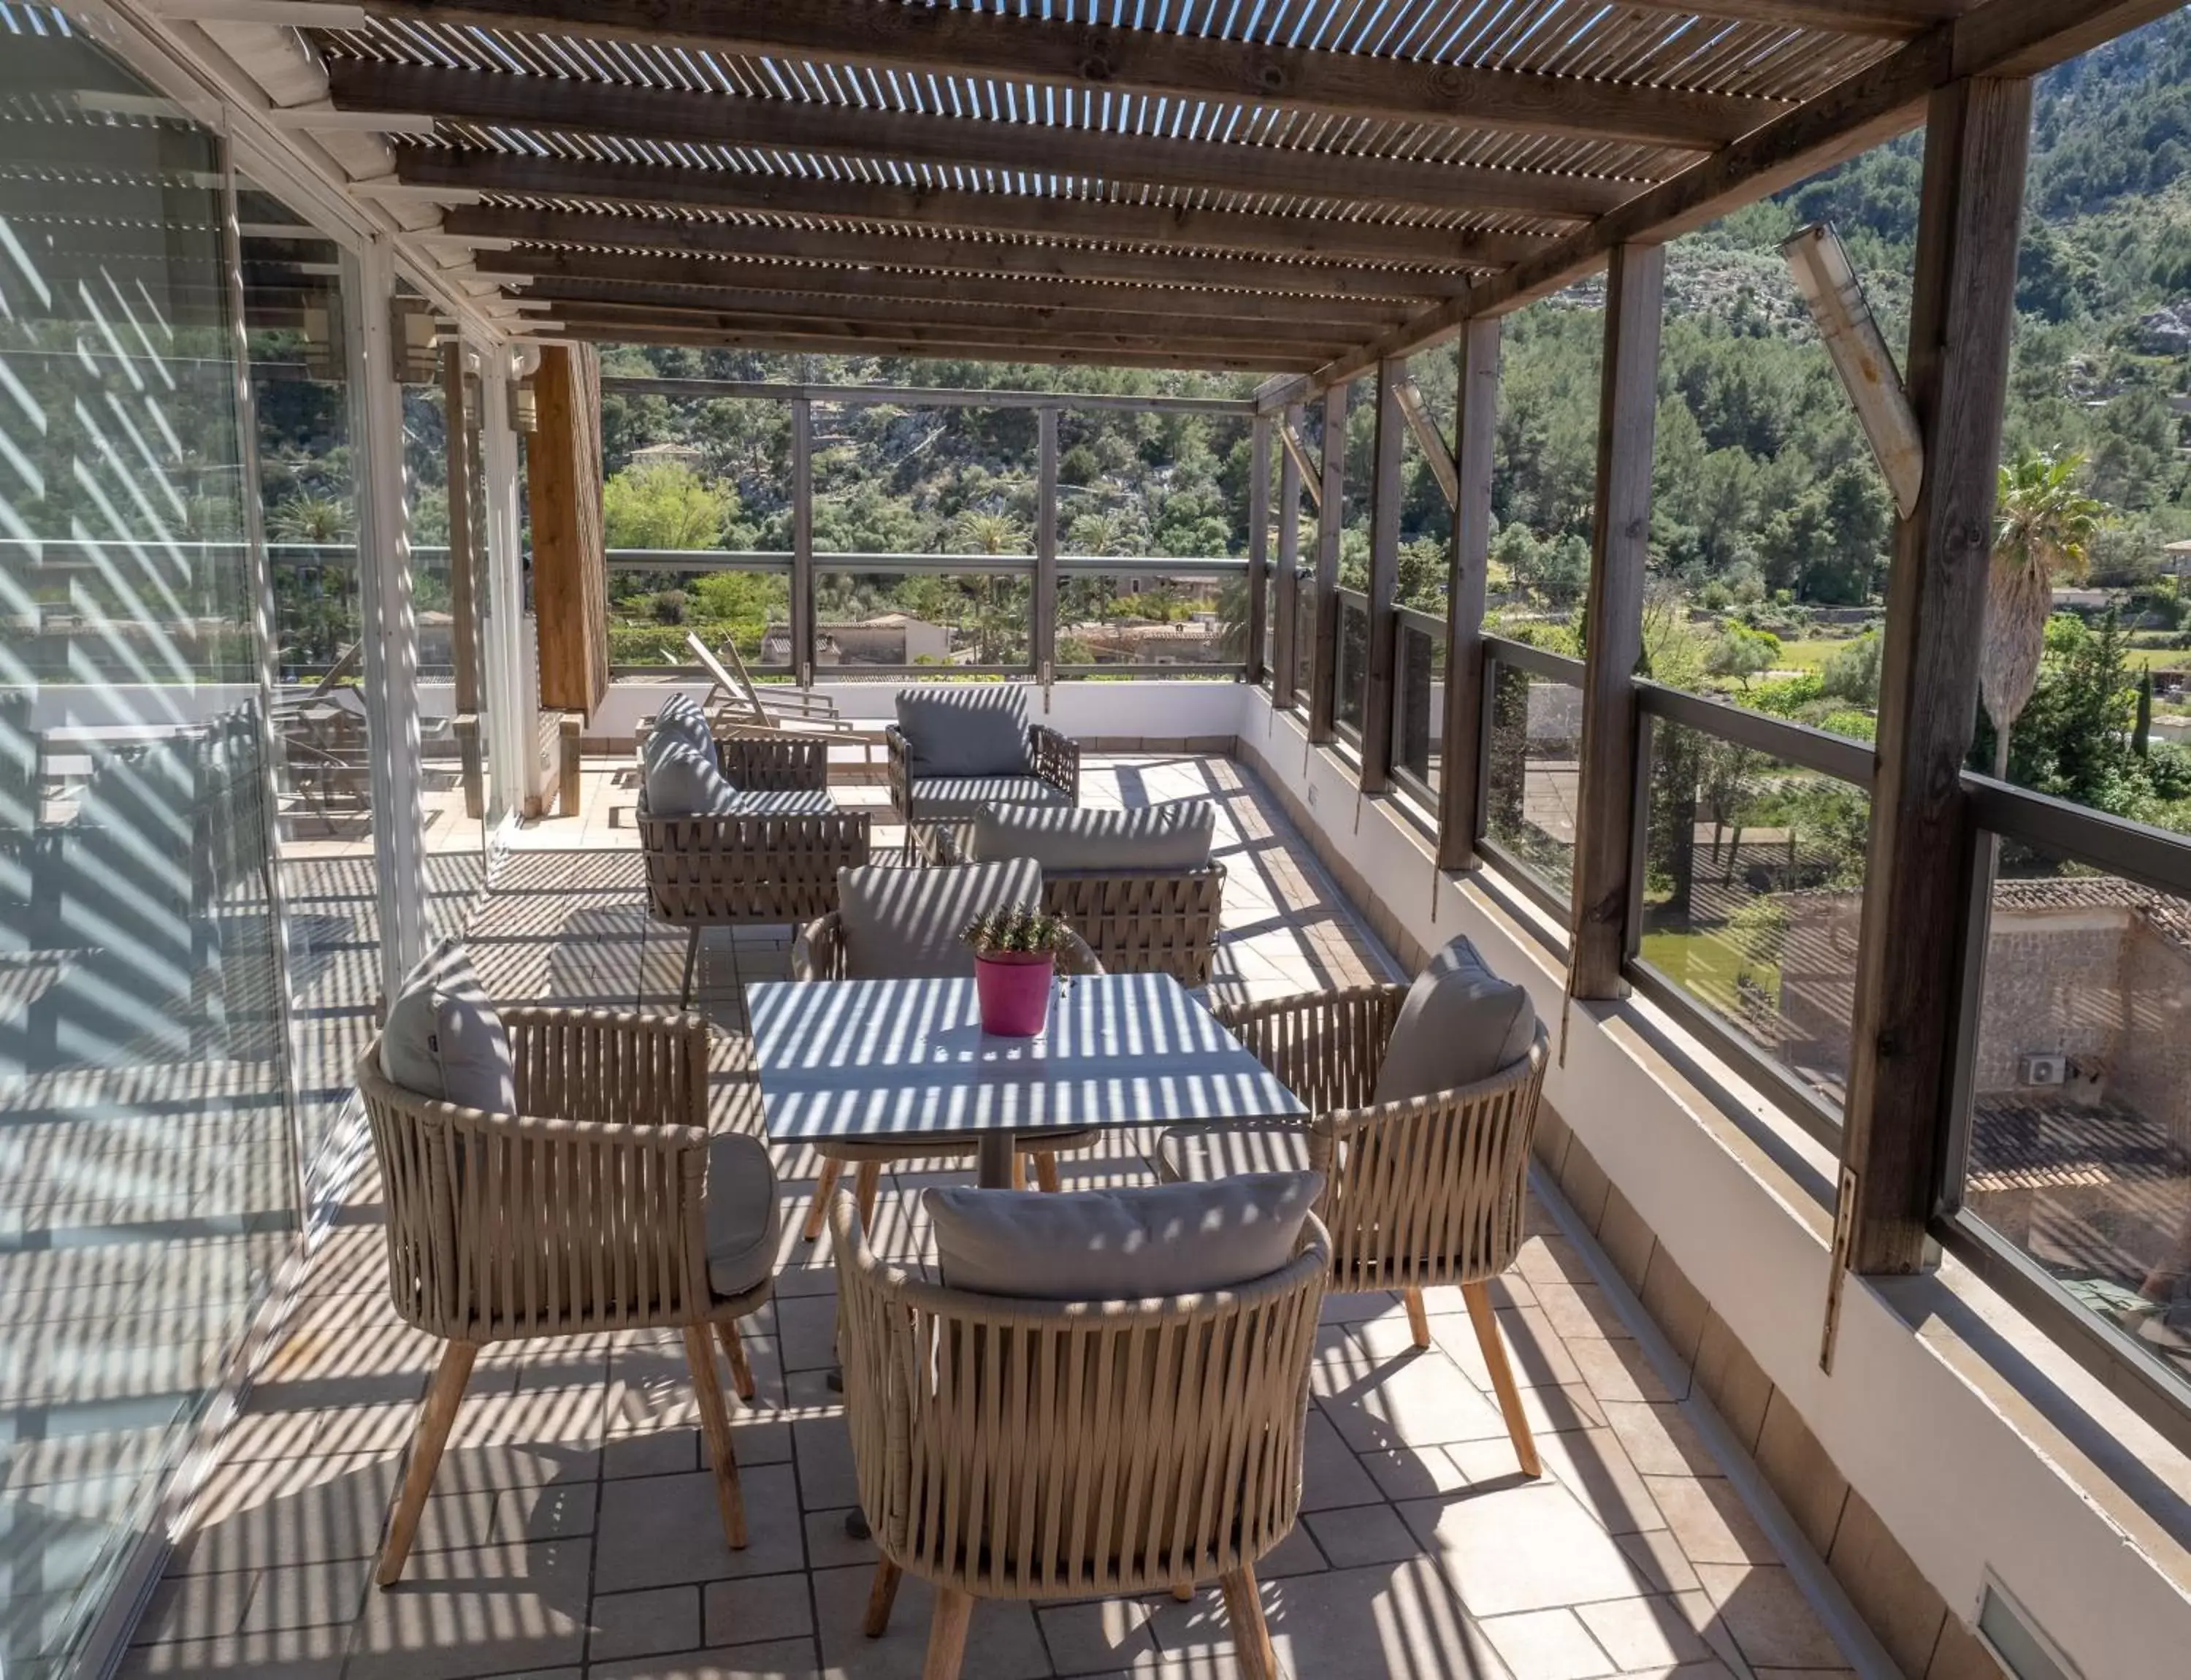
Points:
(764, 867)
(590, 1209)
(1418, 1193)
(921, 802)
(1037, 1449)
(818, 954)
(1136, 921)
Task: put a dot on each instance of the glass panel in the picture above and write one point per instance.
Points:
(150, 1167)
(1149, 618)
(295, 309)
(747, 608)
(1270, 625)
(1353, 675)
(1753, 891)
(1418, 706)
(1535, 743)
(1304, 634)
(885, 620)
(2081, 1127)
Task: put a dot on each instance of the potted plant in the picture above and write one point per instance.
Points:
(1014, 960)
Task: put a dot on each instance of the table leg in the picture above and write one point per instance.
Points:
(995, 1159)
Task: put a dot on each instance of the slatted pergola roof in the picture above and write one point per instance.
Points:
(1294, 186)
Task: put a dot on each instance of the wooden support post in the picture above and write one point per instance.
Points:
(802, 542)
(1962, 315)
(1330, 514)
(1384, 591)
(1288, 617)
(1628, 404)
(1298, 453)
(1259, 547)
(570, 565)
(570, 790)
(1045, 547)
(1475, 426)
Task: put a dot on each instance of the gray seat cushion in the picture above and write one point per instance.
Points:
(1460, 1023)
(961, 796)
(444, 1039)
(682, 780)
(1193, 1153)
(782, 802)
(681, 717)
(980, 730)
(1168, 838)
(1128, 1245)
(904, 924)
(741, 1214)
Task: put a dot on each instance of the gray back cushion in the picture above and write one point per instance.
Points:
(1166, 837)
(1127, 1245)
(443, 1038)
(980, 730)
(682, 779)
(1460, 1023)
(904, 924)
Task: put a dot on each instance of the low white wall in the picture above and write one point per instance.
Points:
(1957, 1483)
(1149, 708)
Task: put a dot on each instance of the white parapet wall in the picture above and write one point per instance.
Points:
(1979, 1445)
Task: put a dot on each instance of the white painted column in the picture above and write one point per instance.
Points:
(391, 630)
(514, 705)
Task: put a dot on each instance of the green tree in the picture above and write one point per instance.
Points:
(664, 505)
(2044, 524)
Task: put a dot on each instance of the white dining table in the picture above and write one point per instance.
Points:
(881, 1060)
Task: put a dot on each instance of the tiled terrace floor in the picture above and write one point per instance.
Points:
(572, 1530)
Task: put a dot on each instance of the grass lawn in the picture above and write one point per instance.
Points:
(1707, 963)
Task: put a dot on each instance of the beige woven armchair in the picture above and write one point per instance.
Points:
(1035, 1449)
(603, 1204)
(1418, 1193)
(775, 864)
(818, 954)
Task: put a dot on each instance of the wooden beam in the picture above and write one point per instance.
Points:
(921, 396)
(1288, 617)
(859, 318)
(1476, 401)
(824, 330)
(1619, 549)
(1101, 59)
(2002, 37)
(545, 103)
(1045, 546)
(599, 332)
(1061, 263)
(570, 577)
(1298, 451)
(1384, 590)
(1330, 514)
(1888, 19)
(802, 542)
(1259, 545)
(872, 293)
(1428, 441)
(662, 187)
(1962, 319)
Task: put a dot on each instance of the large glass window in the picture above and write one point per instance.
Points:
(297, 312)
(150, 1183)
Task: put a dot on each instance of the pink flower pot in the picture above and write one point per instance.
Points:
(1014, 989)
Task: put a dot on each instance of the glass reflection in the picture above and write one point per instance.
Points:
(144, 1120)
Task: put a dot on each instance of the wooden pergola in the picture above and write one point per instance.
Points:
(1316, 190)
(1302, 187)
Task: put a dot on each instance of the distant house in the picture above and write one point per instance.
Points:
(885, 638)
(667, 455)
(1199, 640)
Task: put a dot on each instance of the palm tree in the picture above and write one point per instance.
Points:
(2044, 525)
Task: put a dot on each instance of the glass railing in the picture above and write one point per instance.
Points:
(1350, 675)
(896, 615)
(1532, 762)
(1121, 617)
(1418, 706)
(1751, 890)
